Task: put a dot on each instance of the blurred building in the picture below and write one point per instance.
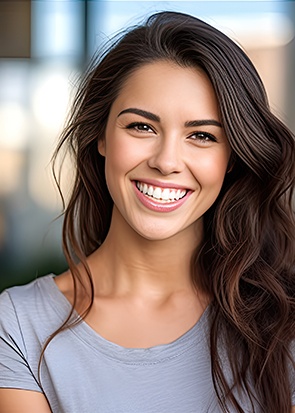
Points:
(44, 45)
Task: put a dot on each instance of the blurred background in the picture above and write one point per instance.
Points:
(44, 45)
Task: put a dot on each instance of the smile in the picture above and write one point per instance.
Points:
(161, 194)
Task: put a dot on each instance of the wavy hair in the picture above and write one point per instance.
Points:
(246, 260)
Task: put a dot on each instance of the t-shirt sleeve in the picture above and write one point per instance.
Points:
(15, 371)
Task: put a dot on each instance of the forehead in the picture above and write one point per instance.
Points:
(165, 85)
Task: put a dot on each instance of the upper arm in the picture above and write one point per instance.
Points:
(17, 370)
(23, 401)
(293, 409)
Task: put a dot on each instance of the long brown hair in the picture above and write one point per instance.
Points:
(246, 260)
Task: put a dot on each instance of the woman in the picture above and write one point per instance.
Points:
(179, 235)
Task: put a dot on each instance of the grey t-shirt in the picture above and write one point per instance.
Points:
(84, 373)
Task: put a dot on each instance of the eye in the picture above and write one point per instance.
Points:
(202, 137)
(140, 127)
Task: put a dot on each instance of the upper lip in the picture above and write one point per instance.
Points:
(160, 184)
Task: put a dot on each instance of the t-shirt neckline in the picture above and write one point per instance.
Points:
(159, 353)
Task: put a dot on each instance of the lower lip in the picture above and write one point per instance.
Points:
(152, 204)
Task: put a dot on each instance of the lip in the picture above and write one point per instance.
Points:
(160, 184)
(153, 205)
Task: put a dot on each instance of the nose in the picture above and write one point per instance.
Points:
(167, 156)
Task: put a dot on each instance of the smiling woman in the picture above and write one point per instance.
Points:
(173, 148)
(179, 236)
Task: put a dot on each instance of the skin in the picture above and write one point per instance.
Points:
(141, 273)
(166, 150)
(152, 285)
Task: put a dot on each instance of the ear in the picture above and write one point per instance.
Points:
(101, 146)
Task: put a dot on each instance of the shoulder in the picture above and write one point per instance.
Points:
(29, 314)
(37, 306)
(27, 296)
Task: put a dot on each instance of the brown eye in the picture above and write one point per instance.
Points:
(203, 137)
(140, 127)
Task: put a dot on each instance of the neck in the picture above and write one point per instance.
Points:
(130, 263)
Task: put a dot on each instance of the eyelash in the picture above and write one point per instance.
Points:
(204, 137)
(135, 125)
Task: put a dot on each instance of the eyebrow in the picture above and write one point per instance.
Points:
(156, 118)
(141, 112)
(202, 122)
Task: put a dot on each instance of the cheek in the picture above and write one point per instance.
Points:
(124, 153)
(210, 169)
(121, 157)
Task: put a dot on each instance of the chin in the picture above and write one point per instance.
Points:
(156, 233)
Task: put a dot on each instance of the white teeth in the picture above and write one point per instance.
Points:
(165, 194)
(150, 191)
(157, 193)
(172, 195)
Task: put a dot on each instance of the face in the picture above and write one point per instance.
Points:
(165, 150)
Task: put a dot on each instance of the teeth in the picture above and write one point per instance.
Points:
(157, 193)
(150, 191)
(172, 195)
(165, 194)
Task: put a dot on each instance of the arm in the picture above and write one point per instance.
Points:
(23, 401)
(293, 409)
(19, 388)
